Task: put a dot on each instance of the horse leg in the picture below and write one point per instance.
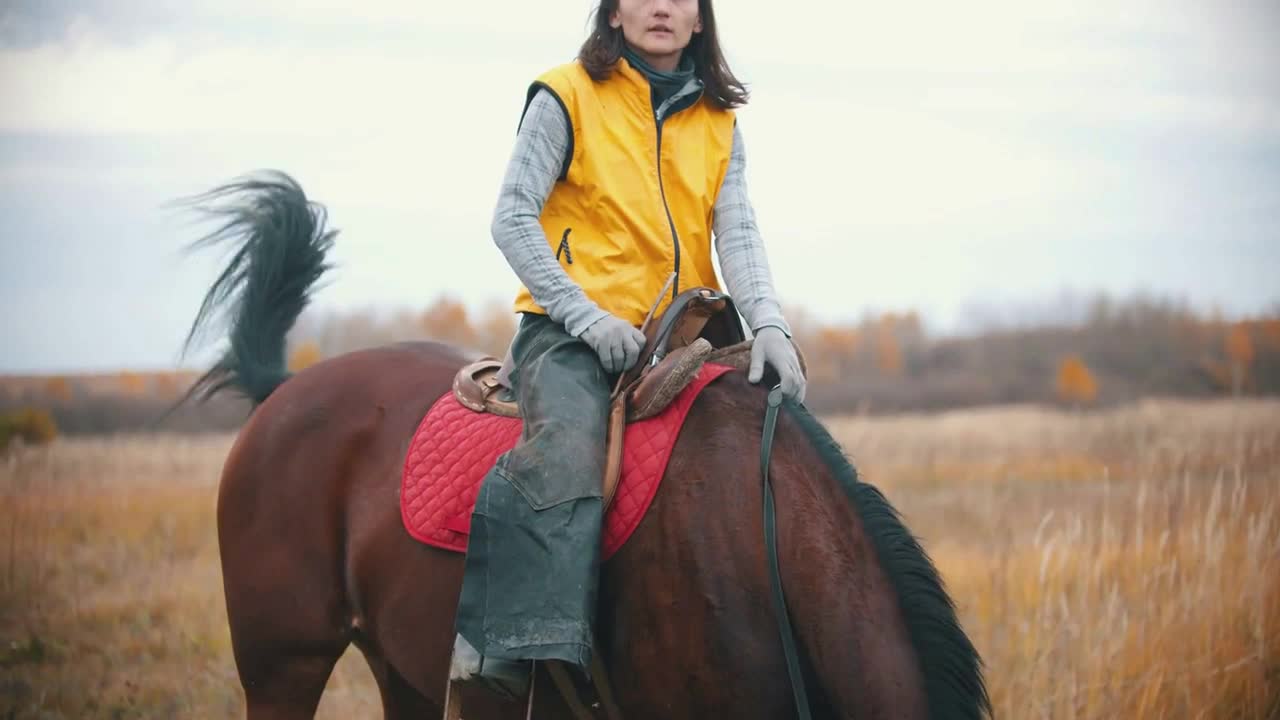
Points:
(281, 562)
(400, 700)
(290, 689)
(284, 652)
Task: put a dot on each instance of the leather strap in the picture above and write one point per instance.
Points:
(605, 700)
(560, 676)
(533, 686)
(615, 433)
(600, 676)
(771, 550)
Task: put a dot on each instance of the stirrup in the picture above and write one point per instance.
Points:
(506, 678)
(586, 692)
(453, 698)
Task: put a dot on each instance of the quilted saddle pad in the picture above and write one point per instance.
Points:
(454, 447)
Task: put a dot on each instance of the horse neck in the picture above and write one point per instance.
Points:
(691, 590)
(846, 614)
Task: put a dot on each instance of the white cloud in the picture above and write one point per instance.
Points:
(1095, 59)
(923, 152)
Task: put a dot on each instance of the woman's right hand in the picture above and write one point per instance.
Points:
(616, 341)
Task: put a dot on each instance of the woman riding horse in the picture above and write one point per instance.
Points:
(626, 163)
(315, 557)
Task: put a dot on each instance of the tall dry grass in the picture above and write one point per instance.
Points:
(1112, 565)
(1123, 564)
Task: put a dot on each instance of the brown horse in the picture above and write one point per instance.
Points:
(315, 557)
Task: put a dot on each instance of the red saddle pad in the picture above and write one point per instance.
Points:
(454, 447)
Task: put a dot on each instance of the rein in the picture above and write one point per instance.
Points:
(771, 550)
(601, 677)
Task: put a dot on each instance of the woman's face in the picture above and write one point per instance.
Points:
(658, 30)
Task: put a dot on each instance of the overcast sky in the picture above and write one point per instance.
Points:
(933, 156)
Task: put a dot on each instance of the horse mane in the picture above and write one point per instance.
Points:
(949, 663)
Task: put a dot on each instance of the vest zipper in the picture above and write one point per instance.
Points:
(675, 237)
(659, 116)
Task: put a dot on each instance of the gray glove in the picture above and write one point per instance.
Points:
(771, 345)
(616, 342)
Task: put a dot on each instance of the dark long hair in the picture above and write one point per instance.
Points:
(603, 48)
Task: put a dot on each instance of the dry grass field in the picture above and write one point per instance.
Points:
(1119, 564)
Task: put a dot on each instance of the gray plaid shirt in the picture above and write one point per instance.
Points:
(540, 153)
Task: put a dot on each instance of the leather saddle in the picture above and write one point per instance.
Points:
(699, 322)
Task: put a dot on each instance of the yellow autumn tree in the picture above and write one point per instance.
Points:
(835, 348)
(1075, 383)
(447, 320)
(304, 356)
(494, 329)
(888, 348)
(1239, 355)
(58, 388)
(131, 383)
(1271, 333)
(31, 426)
(169, 384)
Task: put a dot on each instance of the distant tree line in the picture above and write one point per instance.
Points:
(1114, 351)
(1118, 352)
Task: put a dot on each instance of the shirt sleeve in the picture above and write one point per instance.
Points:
(740, 248)
(539, 154)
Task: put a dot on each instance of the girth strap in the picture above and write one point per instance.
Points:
(771, 550)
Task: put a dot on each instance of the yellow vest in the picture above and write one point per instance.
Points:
(634, 203)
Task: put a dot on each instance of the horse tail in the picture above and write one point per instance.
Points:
(279, 240)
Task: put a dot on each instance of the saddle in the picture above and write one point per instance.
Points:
(699, 325)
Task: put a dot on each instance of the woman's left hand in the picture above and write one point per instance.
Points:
(772, 346)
